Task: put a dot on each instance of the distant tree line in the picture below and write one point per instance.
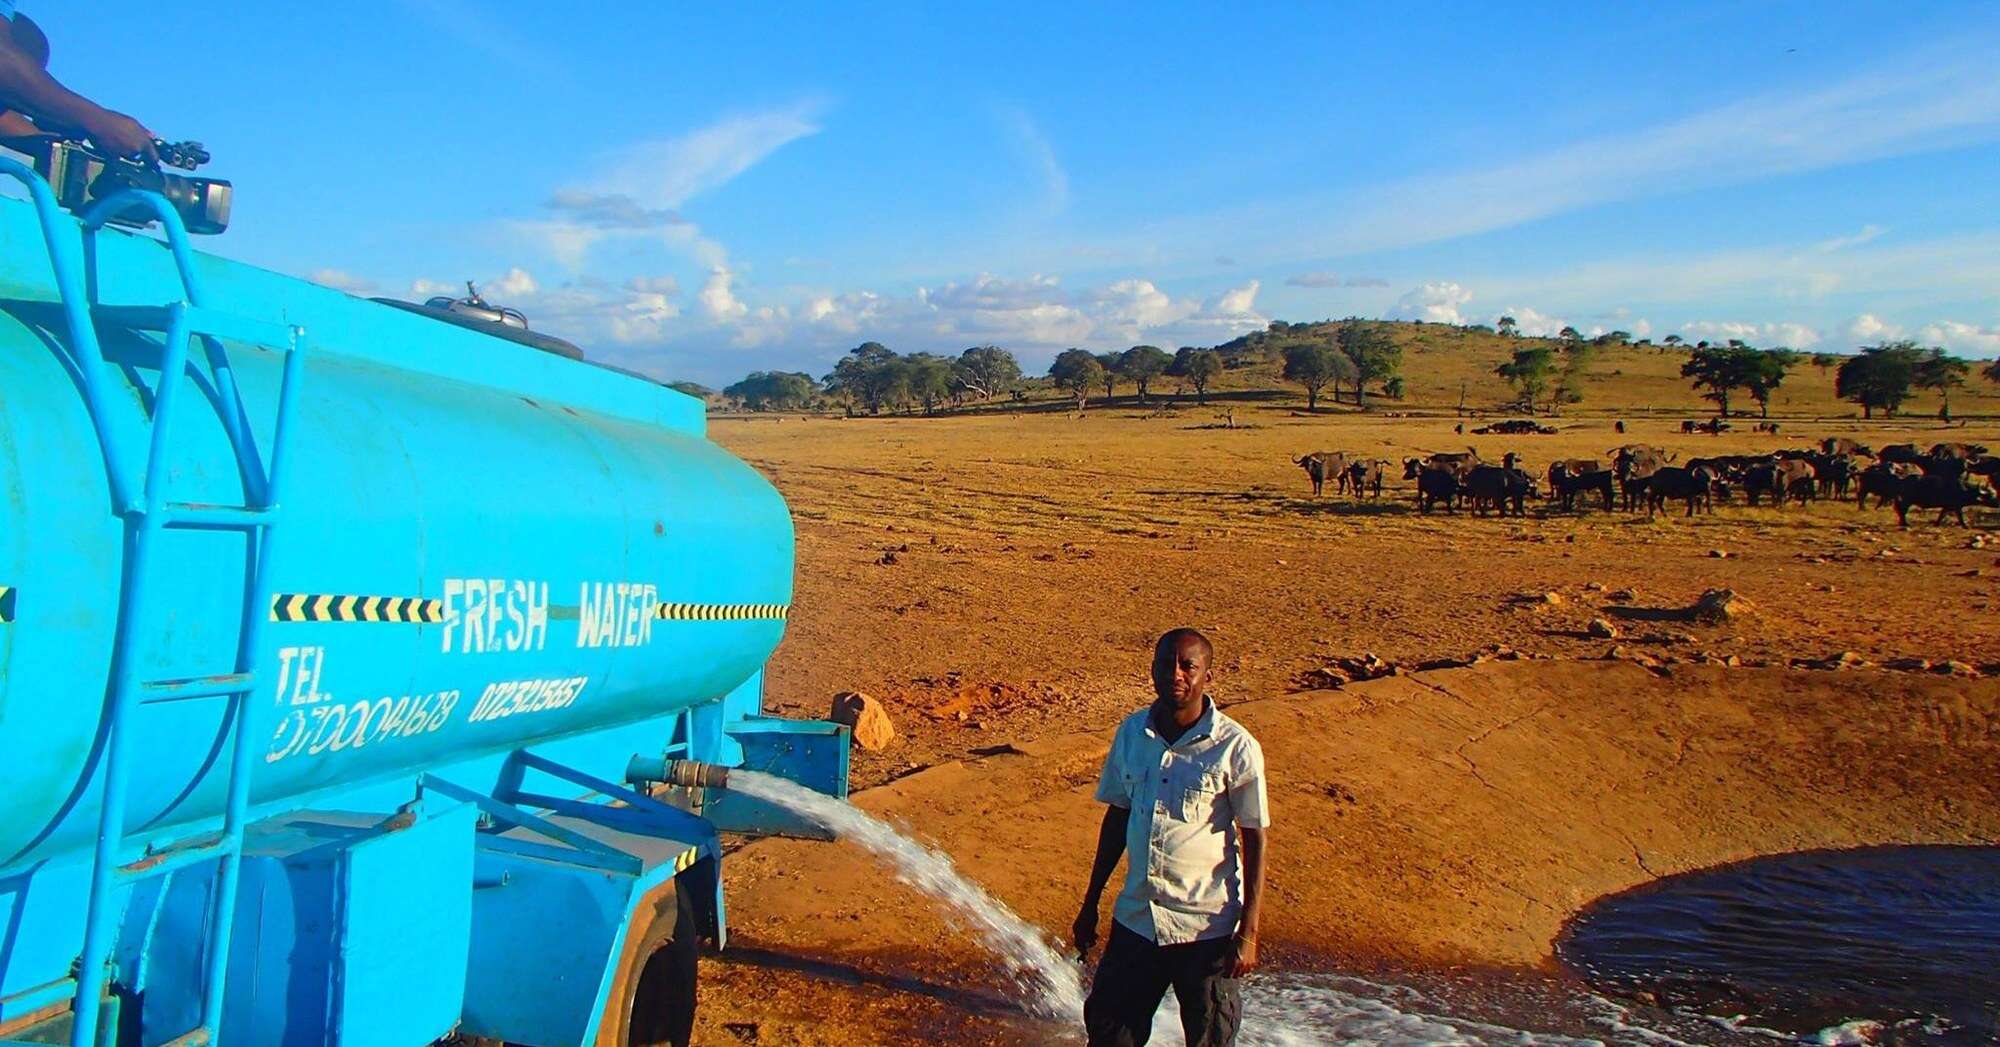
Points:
(1340, 358)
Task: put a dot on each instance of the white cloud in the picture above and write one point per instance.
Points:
(718, 296)
(1869, 328)
(1962, 338)
(514, 283)
(1535, 324)
(342, 280)
(1237, 301)
(1437, 302)
(1761, 335)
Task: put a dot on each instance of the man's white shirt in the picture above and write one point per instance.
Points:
(1183, 868)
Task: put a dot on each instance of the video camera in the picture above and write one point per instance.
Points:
(81, 175)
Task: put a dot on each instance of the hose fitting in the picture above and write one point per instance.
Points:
(689, 774)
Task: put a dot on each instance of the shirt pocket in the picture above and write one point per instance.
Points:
(1198, 794)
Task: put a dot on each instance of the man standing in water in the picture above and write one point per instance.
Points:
(1183, 789)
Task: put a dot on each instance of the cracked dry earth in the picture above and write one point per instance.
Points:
(997, 583)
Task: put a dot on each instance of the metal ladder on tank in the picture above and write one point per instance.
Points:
(141, 502)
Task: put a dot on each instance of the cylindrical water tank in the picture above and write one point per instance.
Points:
(482, 547)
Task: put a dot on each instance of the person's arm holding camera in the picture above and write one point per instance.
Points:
(27, 90)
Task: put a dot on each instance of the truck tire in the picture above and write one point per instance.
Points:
(652, 997)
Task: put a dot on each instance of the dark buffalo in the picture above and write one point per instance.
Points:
(1580, 476)
(1498, 487)
(1843, 445)
(1883, 480)
(1366, 476)
(1782, 479)
(1321, 466)
(1902, 454)
(1435, 485)
(1836, 474)
(1949, 496)
(1695, 486)
(1961, 451)
(1633, 465)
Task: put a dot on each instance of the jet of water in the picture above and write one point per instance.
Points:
(1051, 984)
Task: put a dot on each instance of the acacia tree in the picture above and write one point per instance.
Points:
(1508, 326)
(1375, 357)
(1529, 371)
(869, 375)
(1825, 362)
(1077, 371)
(1991, 372)
(1879, 377)
(986, 371)
(1108, 362)
(1940, 374)
(1576, 361)
(1198, 367)
(928, 378)
(773, 391)
(1143, 363)
(1314, 365)
(1569, 334)
(1767, 371)
(1721, 370)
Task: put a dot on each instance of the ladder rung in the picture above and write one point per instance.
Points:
(200, 320)
(176, 856)
(197, 1038)
(196, 687)
(41, 1001)
(218, 517)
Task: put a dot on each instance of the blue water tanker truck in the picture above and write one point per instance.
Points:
(365, 678)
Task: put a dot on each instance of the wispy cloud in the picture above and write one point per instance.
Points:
(1039, 155)
(475, 27)
(667, 173)
(1323, 280)
(647, 183)
(1911, 103)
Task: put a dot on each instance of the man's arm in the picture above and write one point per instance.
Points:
(1110, 847)
(25, 84)
(1253, 900)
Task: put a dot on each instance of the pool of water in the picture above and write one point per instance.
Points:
(1879, 944)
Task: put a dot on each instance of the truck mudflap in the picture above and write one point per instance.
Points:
(557, 883)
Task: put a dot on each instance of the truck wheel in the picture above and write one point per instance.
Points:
(653, 995)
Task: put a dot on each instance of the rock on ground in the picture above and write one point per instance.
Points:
(873, 730)
(1719, 605)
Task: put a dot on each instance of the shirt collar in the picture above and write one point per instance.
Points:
(1201, 729)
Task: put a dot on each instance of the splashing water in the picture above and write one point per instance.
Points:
(1051, 984)
(1279, 1010)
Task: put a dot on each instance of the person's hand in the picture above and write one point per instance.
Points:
(1084, 930)
(120, 135)
(1246, 956)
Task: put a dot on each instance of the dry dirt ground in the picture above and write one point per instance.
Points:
(998, 581)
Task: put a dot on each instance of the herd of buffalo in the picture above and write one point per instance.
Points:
(1948, 477)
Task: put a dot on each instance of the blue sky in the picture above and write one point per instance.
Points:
(703, 192)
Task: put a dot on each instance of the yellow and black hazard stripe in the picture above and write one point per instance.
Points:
(7, 603)
(723, 612)
(327, 607)
(686, 858)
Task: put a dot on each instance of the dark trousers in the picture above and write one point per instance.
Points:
(1134, 975)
